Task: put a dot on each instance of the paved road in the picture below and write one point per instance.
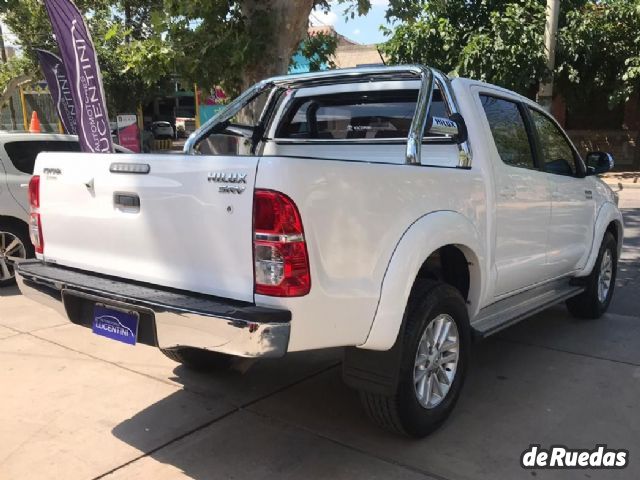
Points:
(627, 299)
(76, 406)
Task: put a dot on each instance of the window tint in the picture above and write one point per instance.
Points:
(355, 115)
(509, 132)
(558, 156)
(23, 154)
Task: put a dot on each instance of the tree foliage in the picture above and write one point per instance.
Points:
(144, 46)
(318, 49)
(496, 41)
(28, 21)
(598, 49)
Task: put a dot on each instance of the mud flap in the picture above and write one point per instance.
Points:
(373, 371)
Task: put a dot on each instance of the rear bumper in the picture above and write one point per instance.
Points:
(168, 318)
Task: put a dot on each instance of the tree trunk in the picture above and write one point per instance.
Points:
(287, 26)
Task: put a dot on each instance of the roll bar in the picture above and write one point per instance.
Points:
(428, 77)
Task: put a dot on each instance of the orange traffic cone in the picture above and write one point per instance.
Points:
(34, 126)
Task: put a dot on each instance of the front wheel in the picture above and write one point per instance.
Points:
(433, 363)
(594, 301)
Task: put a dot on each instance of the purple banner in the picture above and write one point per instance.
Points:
(79, 58)
(60, 88)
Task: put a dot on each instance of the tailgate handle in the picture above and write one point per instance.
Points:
(127, 201)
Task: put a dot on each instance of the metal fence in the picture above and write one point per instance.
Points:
(26, 100)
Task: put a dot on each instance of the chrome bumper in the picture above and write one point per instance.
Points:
(168, 318)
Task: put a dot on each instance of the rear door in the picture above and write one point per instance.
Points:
(522, 197)
(573, 208)
(172, 220)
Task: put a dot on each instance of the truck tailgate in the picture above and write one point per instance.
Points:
(171, 226)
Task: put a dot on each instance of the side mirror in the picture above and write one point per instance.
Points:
(453, 127)
(599, 162)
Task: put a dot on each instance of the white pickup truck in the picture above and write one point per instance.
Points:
(388, 210)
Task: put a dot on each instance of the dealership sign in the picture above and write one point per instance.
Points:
(128, 132)
(79, 58)
(56, 76)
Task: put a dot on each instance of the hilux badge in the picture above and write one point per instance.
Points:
(226, 178)
(221, 177)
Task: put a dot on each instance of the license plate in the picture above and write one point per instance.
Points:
(115, 324)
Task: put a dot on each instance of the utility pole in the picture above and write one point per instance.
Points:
(3, 56)
(545, 94)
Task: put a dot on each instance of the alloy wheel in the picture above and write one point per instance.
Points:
(11, 250)
(605, 275)
(436, 361)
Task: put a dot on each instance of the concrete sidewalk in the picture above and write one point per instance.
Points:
(622, 180)
(78, 406)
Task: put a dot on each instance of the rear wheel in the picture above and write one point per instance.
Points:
(594, 301)
(200, 360)
(433, 363)
(14, 246)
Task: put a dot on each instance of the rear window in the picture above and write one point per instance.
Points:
(23, 153)
(355, 115)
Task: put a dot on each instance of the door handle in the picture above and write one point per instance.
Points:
(127, 201)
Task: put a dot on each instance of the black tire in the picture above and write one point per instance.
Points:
(402, 412)
(22, 233)
(199, 360)
(588, 304)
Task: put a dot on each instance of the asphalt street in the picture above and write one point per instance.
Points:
(78, 406)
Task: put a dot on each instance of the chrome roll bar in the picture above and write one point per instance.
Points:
(423, 105)
(444, 83)
(428, 76)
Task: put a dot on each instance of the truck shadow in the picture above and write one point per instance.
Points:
(513, 384)
(626, 300)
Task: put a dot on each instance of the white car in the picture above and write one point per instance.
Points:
(18, 152)
(388, 210)
(162, 130)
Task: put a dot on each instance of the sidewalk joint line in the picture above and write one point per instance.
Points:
(146, 375)
(569, 352)
(388, 460)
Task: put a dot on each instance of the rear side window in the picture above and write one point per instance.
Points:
(23, 153)
(508, 130)
(354, 115)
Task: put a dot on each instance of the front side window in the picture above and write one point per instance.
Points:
(509, 131)
(355, 115)
(23, 153)
(558, 156)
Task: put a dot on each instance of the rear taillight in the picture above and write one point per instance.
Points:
(280, 252)
(35, 224)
